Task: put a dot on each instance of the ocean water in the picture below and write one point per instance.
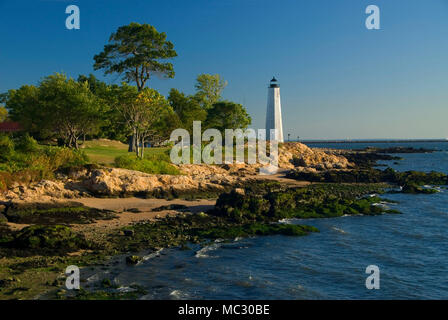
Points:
(411, 251)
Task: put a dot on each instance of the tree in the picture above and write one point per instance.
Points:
(209, 89)
(144, 113)
(59, 108)
(23, 106)
(70, 109)
(227, 115)
(111, 126)
(3, 114)
(135, 50)
(187, 108)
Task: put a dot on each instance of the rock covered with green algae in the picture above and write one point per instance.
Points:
(55, 213)
(416, 189)
(133, 260)
(317, 201)
(257, 229)
(55, 237)
(371, 175)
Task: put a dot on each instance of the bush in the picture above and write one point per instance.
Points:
(131, 162)
(26, 144)
(24, 161)
(6, 148)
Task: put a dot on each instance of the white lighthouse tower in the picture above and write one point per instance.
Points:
(274, 112)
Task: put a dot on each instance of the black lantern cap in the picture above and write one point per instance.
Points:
(274, 83)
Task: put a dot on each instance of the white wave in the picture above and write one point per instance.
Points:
(383, 205)
(202, 253)
(287, 220)
(178, 294)
(339, 230)
(125, 289)
(152, 255)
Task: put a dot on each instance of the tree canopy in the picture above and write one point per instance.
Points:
(187, 108)
(3, 114)
(227, 115)
(59, 108)
(137, 51)
(147, 114)
(111, 126)
(23, 106)
(209, 89)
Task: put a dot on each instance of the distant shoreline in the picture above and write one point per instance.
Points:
(372, 141)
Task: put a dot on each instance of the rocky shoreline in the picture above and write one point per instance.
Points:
(52, 224)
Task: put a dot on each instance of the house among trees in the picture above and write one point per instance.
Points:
(9, 127)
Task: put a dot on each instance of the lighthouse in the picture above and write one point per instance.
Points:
(274, 112)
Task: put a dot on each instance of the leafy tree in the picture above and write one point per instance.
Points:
(59, 108)
(168, 122)
(70, 109)
(136, 50)
(227, 115)
(187, 108)
(3, 114)
(209, 89)
(145, 114)
(23, 106)
(111, 126)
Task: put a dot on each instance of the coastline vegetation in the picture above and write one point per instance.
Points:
(23, 160)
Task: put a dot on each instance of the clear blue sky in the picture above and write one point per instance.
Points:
(338, 79)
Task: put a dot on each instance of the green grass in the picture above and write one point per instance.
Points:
(104, 155)
(153, 164)
(105, 151)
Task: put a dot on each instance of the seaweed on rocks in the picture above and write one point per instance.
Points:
(55, 239)
(398, 149)
(370, 175)
(316, 201)
(55, 213)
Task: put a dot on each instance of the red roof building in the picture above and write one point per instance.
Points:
(10, 127)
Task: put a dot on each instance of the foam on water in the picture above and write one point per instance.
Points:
(203, 253)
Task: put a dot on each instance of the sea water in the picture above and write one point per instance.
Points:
(411, 251)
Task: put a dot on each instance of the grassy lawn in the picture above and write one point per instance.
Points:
(105, 151)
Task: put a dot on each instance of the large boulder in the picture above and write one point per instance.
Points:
(295, 154)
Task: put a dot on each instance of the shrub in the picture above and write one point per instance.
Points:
(24, 161)
(26, 144)
(131, 162)
(6, 148)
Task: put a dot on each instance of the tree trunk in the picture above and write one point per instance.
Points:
(131, 143)
(137, 146)
(143, 148)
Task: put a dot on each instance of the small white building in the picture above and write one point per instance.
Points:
(274, 112)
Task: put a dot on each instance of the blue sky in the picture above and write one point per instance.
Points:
(338, 79)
